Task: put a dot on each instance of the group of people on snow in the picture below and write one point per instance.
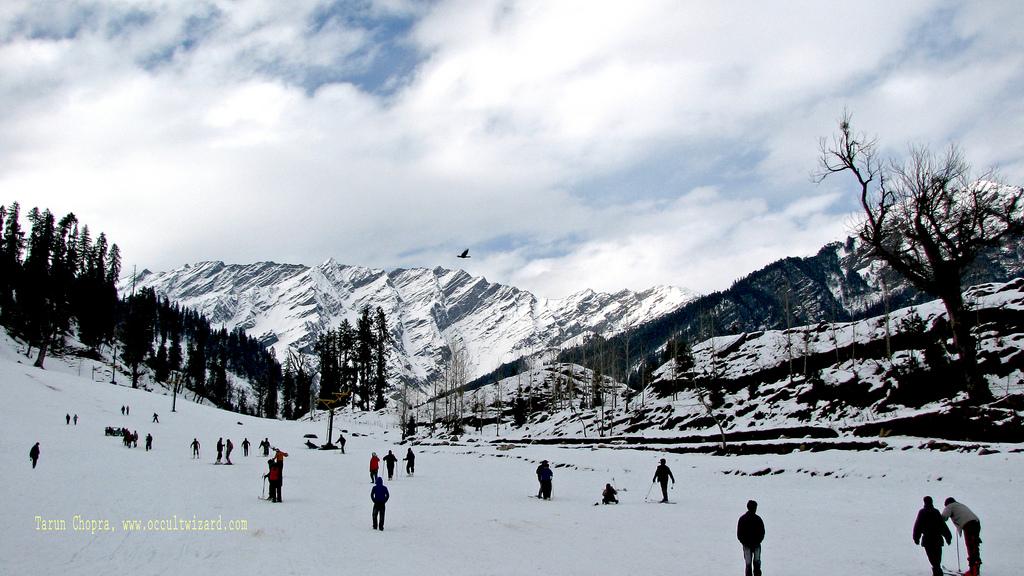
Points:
(930, 528)
(390, 460)
(930, 531)
(221, 454)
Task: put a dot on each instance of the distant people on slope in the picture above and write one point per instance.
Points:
(750, 533)
(220, 449)
(379, 495)
(929, 531)
(341, 442)
(661, 475)
(608, 495)
(310, 445)
(67, 419)
(265, 445)
(245, 447)
(390, 460)
(410, 463)
(33, 454)
(122, 410)
(195, 448)
(149, 442)
(968, 524)
(230, 447)
(75, 419)
(156, 418)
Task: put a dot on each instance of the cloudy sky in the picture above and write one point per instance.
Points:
(569, 145)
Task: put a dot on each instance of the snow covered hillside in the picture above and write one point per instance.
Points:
(871, 377)
(467, 511)
(428, 310)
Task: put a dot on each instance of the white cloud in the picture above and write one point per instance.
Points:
(204, 131)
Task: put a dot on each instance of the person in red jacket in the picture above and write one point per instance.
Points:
(274, 476)
(374, 467)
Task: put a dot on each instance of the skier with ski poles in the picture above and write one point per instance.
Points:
(662, 474)
(390, 460)
(410, 463)
(966, 522)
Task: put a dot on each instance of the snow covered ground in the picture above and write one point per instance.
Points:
(468, 510)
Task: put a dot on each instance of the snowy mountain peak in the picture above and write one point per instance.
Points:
(428, 310)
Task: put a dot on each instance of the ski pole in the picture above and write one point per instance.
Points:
(649, 491)
(958, 551)
(264, 488)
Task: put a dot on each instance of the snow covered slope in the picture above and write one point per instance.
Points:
(466, 512)
(869, 377)
(428, 310)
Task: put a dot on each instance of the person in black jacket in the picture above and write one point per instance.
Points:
(390, 460)
(410, 463)
(929, 531)
(545, 474)
(608, 496)
(661, 474)
(33, 454)
(750, 533)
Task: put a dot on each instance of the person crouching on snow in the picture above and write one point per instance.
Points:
(608, 496)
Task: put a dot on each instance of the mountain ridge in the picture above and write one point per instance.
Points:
(430, 310)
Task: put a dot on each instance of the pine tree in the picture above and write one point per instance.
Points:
(36, 293)
(137, 333)
(11, 248)
(364, 357)
(380, 358)
(271, 385)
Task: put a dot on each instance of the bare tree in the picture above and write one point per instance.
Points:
(456, 372)
(928, 218)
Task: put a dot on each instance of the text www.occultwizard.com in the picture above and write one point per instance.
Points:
(174, 523)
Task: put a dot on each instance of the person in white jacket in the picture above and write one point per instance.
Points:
(968, 524)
